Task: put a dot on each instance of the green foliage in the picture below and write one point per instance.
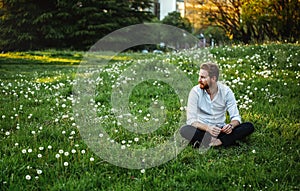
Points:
(42, 149)
(176, 20)
(285, 16)
(216, 33)
(28, 25)
(258, 20)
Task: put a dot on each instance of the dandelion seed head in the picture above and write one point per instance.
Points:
(27, 177)
(38, 171)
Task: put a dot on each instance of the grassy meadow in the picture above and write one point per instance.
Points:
(42, 148)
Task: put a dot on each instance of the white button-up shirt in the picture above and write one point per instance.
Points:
(202, 109)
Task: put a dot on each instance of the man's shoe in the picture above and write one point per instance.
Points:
(196, 144)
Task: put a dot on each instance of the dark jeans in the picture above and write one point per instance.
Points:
(195, 135)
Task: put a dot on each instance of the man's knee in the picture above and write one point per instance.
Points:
(187, 131)
(184, 129)
(249, 126)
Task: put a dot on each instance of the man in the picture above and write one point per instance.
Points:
(208, 103)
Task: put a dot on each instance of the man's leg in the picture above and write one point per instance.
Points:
(239, 132)
(195, 136)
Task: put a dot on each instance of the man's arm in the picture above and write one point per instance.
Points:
(192, 107)
(229, 127)
(213, 130)
(233, 111)
(234, 123)
(232, 108)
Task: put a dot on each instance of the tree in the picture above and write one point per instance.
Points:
(98, 18)
(255, 20)
(174, 18)
(229, 17)
(216, 34)
(17, 29)
(197, 12)
(285, 16)
(75, 24)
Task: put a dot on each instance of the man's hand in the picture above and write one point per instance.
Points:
(227, 129)
(213, 130)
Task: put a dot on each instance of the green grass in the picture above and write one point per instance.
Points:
(42, 149)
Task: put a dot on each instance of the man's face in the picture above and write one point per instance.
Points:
(204, 79)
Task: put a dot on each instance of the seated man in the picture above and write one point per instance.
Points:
(208, 103)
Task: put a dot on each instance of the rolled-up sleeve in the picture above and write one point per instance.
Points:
(231, 107)
(192, 107)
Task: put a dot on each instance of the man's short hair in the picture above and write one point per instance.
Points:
(211, 68)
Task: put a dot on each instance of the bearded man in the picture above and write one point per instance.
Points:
(208, 104)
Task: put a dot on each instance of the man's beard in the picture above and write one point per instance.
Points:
(204, 86)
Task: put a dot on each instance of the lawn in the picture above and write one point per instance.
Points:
(43, 146)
